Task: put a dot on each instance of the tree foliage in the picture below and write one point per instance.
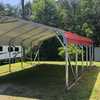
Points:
(82, 17)
(45, 12)
(2, 9)
(7, 10)
(71, 49)
(28, 10)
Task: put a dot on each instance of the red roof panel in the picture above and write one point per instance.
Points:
(77, 39)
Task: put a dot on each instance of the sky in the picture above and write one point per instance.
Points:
(13, 2)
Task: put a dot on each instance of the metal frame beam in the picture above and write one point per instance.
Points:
(76, 60)
(82, 58)
(66, 63)
(92, 53)
(9, 58)
(22, 55)
(87, 54)
(64, 45)
(90, 57)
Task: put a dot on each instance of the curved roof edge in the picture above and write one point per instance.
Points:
(77, 39)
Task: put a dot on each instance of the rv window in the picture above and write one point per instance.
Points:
(16, 49)
(1, 48)
(10, 49)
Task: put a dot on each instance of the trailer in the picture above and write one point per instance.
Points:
(7, 52)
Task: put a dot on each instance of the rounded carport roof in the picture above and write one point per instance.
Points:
(21, 32)
(18, 31)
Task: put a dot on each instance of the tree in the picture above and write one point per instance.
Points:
(71, 49)
(23, 8)
(90, 12)
(45, 12)
(2, 9)
(28, 10)
(70, 15)
(8, 10)
(81, 17)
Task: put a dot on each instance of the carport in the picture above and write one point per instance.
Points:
(16, 31)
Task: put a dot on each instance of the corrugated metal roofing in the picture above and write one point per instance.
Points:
(19, 31)
(77, 39)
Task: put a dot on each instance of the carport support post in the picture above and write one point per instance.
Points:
(31, 53)
(82, 58)
(87, 56)
(76, 60)
(23, 53)
(64, 44)
(38, 56)
(66, 64)
(90, 55)
(91, 60)
(9, 57)
(21, 56)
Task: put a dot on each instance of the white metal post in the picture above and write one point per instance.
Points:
(66, 66)
(87, 56)
(31, 53)
(76, 60)
(82, 59)
(21, 56)
(9, 57)
(64, 44)
(24, 53)
(37, 52)
(90, 55)
(39, 55)
(66, 63)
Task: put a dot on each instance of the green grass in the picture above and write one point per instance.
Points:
(47, 82)
(97, 64)
(4, 69)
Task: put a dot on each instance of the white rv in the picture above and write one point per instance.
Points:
(7, 52)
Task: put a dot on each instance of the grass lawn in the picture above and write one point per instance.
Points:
(4, 69)
(46, 82)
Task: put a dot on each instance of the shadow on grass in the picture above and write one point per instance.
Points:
(46, 82)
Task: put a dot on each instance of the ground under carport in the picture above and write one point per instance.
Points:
(47, 83)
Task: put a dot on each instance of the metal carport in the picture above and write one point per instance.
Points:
(16, 31)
